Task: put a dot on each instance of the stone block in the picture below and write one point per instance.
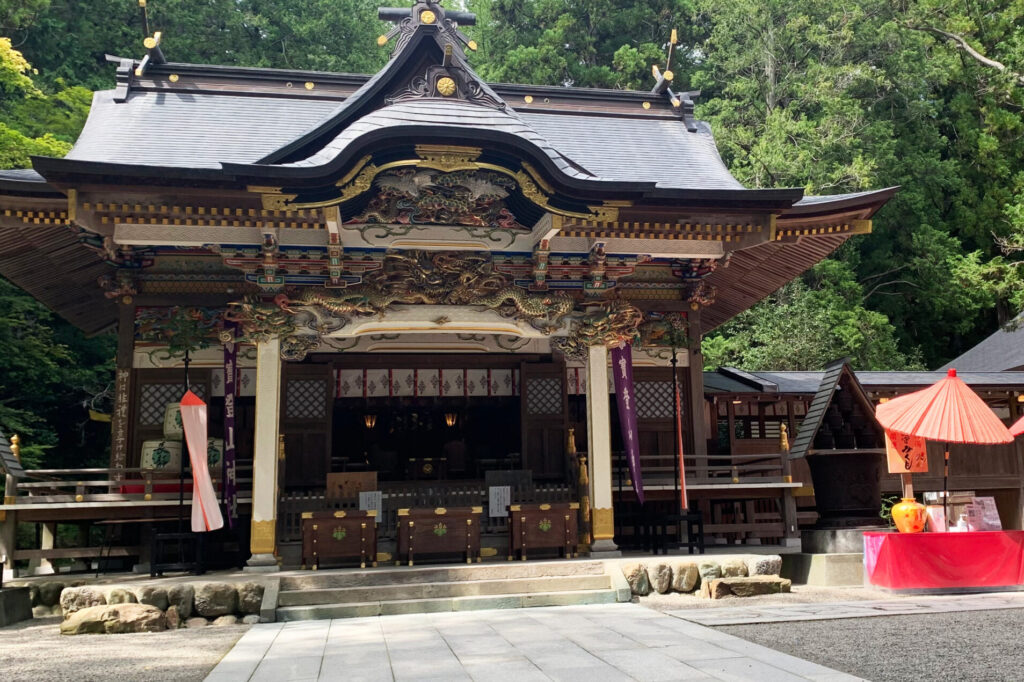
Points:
(153, 596)
(196, 622)
(734, 568)
(716, 588)
(216, 599)
(182, 596)
(826, 570)
(174, 620)
(15, 605)
(250, 597)
(114, 619)
(685, 577)
(769, 564)
(750, 586)
(636, 576)
(660, 576)
(74, 599)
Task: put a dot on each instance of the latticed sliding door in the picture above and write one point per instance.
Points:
(307, 406)
(544, 405)
(154, 389)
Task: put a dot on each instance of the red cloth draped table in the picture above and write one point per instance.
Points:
(906, 561)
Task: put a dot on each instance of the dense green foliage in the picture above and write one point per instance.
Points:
(830, 96)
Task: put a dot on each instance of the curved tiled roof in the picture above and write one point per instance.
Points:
(445, 112)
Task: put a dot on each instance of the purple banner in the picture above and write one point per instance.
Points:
(622, 368)
(230, 393)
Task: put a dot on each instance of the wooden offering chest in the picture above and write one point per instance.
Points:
(339, 536)
(455, 530)
(543, 526)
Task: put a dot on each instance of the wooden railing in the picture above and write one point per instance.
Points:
(659, 470)
(107, 485)
(404, 495)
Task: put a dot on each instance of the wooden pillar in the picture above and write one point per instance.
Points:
(42, 566)
(599, 443)
(8, 530)
(120, 421)
(262, 542)
(695, 368)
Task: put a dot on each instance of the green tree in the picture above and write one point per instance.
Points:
(806, 324)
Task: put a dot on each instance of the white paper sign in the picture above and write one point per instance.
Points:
(500, 498)
(982, 514)
(372, 499)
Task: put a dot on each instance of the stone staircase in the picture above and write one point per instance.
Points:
(428, 589)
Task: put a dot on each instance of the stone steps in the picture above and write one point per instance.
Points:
(353, 593)
(436, 605)
(428, 590)
(496, 570)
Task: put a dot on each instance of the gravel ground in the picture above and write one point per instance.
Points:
(971, 645)
(801, 594)
(35, 650)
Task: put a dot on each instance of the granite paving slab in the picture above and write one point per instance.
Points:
(578, 643)
(854, 609)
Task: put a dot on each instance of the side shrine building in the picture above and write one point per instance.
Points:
(414, 280)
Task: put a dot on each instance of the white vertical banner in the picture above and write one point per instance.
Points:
(206, 514)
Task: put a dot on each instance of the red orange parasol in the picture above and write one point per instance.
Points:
(947, 411)
(1017, 427)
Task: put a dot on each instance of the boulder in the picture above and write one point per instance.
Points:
(761, 584)
(49, 592)
(734, 568)
(685, 577)
(636, 576)
(33, 592)
(196, 622)
(660, 576)
(250, 597)
(173, 617)
(709, 571)
(251, 619)
(216, 599)
(74, 599)
(119, 595)
(182, 596)
(114, 619)
(152, 595)
(225, 620)
(770, 564)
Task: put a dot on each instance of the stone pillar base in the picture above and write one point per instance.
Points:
(604, 549)
(261, 563)
(44, 568)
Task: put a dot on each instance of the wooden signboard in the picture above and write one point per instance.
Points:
(905, 454)
(350, 483)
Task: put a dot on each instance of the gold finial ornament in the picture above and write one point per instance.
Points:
(382, 40)
(16, 446)
(427, 17)
(446, 86)
(783, 438)
(472, 45)
(152, 41)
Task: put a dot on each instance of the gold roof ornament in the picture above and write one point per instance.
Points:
(446, 86)
(427, 17)
(681, 102)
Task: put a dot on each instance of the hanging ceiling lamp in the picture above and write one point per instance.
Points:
(450, 418)
(370, 420)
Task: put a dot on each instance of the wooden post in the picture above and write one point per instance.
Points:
(266, 449)
(120, 421)
(908, 485)
(8, 530)
(599, 443)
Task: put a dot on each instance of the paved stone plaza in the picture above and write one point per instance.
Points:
(579, 643)
(746, 615)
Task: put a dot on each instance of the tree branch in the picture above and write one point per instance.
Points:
(962, 43)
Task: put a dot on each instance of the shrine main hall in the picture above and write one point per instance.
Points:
(410, 283)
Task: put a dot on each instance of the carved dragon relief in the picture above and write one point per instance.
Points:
(440, 278)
